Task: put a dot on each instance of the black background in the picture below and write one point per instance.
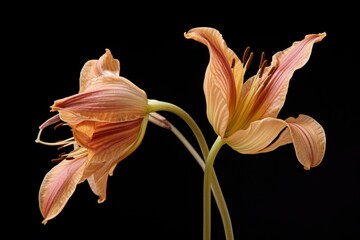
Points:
(156, 193)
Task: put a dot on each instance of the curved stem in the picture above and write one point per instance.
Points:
(155, 106)
(219, 198)
(218, 195)
(209, 168)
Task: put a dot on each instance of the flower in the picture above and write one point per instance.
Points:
(244, 114)
(108, 118)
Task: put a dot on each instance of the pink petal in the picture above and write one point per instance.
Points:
(286, 62)
(114, 101)
(58, 186)
(54, 119)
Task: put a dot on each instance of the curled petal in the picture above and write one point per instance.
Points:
(58, 186)
(92, 69)
(309, 140)
(98, 186)
(223, 76)
(257, 136)
(283, 139)
(107, 102)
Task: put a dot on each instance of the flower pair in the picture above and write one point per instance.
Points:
(109, 115)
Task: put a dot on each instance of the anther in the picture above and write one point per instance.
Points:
(233, 63)
(272, 70)
(249, 60)
(65, 145)
(262, 67)
(58, 125)
(60, 147)
(268, 77)
(57, 160)
(63, 154)
(246, 55)
(262, 59)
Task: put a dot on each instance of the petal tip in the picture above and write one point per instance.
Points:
(101, 200)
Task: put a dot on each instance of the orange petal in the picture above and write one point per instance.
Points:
(309, 140)
(223, 77)
(257, 136)
(283, 139)
(113, 134)
(98, 186)
(106, 65)
(58, 186)
(111, 144)
(83, 132)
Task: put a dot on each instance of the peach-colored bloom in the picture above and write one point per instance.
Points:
(244, 114)
(108, 118)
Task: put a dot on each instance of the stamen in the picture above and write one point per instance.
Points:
(262, 66)
(249, 60)
(62, 142)
(262, 59)
(63, 154)
(232, 63)
(58, 125)
(57, 160)
(77, 153)
(246, 54)
(66, 145)
(272, 70)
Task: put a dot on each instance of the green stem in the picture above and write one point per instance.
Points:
(219, 198)
(154, 106)
(209, 168)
